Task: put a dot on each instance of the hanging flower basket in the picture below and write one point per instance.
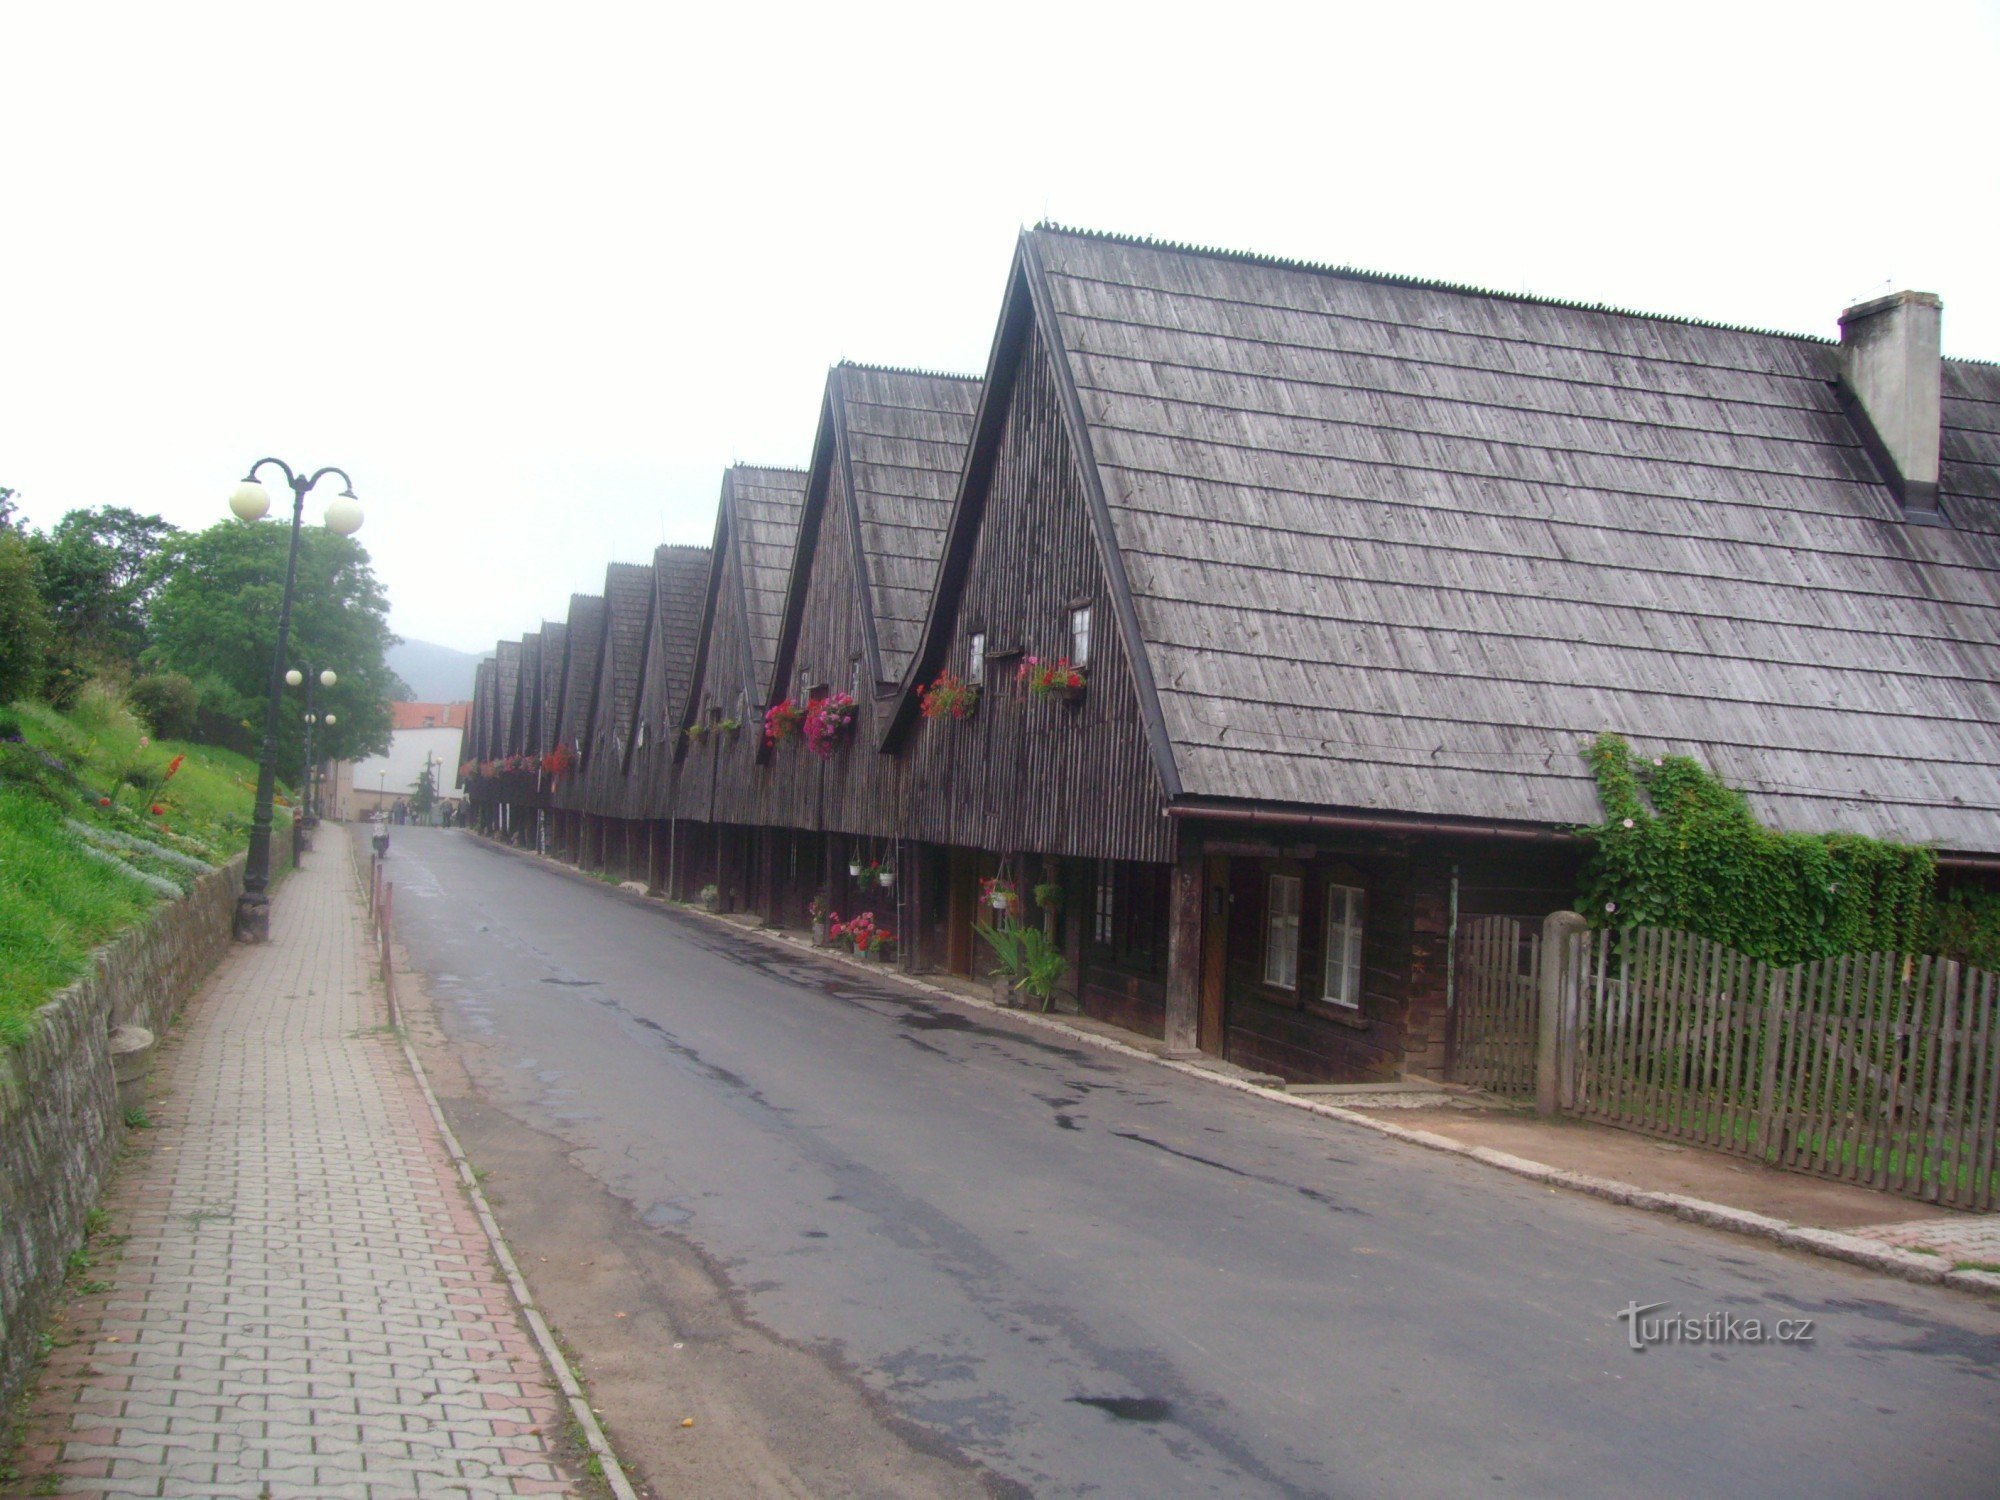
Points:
(829, 723)
(1056, 679)
(1000, 895)
(854, 869)
(885, 878)
(949, 697)
(559, 762)
(781, 721)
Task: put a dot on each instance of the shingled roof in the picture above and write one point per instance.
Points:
(584, 642)
(764, 505)
(628, 591)
(902, 436)
(506, 688)
(680, 574)
(555, 653)
(1406, 547)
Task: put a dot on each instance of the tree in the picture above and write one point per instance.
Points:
(215, 618)
(8, 513)
(24, 624)
(97, 579)
(423, 793)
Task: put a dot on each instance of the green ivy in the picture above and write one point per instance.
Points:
(1965, 925)
(1679, 849)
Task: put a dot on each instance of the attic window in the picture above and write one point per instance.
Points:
(975, 663)
(1079, 637)
(641, 742)
(854, 678)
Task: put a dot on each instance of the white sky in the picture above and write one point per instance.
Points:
(534, 275)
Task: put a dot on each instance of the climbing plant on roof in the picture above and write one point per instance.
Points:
(1678, 848)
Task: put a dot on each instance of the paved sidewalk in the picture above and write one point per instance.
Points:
(306, 1304)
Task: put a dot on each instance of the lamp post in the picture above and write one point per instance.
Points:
(296, 678)
(250, 501)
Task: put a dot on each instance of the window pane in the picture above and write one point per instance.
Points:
(1342, 983)
(975, 667)
(1281, 934)
(1079, 637)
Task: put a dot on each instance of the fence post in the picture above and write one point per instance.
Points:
(1557, 927)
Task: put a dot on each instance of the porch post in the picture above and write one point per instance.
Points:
(1183, 1018)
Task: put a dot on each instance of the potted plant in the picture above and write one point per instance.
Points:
(882, 945)
(949, 697)
(711, 898)
(1056, 679)
(829, 722)
(781, 721)
(854, 867)
(816, 913)
(885, 876)
(999, 893)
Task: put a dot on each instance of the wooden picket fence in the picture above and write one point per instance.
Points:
(1496, 964)
(1881, 1068)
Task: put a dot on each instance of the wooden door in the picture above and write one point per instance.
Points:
(1212, 1029)
(964, 902)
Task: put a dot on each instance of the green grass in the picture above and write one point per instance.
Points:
(56, 902)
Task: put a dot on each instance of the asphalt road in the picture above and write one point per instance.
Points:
(1088, 1275)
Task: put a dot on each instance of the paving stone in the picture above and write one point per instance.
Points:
(306, 1298)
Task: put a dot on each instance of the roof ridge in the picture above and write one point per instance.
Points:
(767, 468)
(916, 370)
(1418, 283)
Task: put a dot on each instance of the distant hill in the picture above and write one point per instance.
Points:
(434, 674)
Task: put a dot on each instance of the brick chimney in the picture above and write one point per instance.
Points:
(1890, 369)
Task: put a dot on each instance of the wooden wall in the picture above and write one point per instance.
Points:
(1035, 774)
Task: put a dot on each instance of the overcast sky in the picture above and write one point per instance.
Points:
(534, 276)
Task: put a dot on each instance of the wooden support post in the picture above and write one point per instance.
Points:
(1549, 1029)
(1183, 1020)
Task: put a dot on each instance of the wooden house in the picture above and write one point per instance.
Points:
(666, 665)
(1361, 565)
(720, 786)
(878, 498)
(583, 644)
(1249, 619)
(600, 773)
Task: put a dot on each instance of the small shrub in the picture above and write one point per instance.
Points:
(168, 701)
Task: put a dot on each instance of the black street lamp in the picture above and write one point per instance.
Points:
(308, 802)
(250, 502)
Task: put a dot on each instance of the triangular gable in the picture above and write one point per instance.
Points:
(525, 730)
(627, 587)
(555, 656)
(666, 656)
(1022, 312)
(757, 515)
(508, 687)
(583, 644)
(895, 441)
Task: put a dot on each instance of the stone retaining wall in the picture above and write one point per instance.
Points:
(59, 1112)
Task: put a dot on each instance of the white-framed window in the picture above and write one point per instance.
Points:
(1079, 637)
(1101, 928)
(642, 736)
(854, 679)
(1281, 932)
(975, 661)
(1343, 945)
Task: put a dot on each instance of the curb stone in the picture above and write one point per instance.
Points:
(1929, 1270)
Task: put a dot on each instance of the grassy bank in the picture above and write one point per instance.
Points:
(153, 825)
